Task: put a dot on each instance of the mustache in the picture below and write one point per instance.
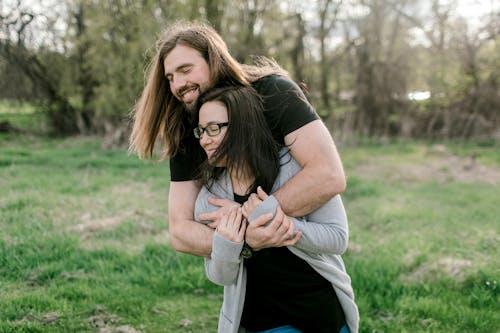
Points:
(185, 88)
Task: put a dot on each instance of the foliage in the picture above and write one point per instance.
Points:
(84, 61)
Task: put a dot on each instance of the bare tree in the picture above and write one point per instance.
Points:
(297, 50)
(463, 93)
(214, 11)
(328, 11)
(19, 52)
(249, 24)
(476, 110)
(381, 61)
(85, 76)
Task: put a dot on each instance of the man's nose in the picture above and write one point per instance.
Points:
(177, 82)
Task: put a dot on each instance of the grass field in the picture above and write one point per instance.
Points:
(84, 240)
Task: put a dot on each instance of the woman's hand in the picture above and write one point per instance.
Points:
(232, 225)
(214, 218)
(253, 201)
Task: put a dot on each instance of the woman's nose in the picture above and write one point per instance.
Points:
(205, 139)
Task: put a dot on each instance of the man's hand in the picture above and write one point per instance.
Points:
(266, 231)
(232, 225)
(214, 218)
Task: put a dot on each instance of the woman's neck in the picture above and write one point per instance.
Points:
(241, 182)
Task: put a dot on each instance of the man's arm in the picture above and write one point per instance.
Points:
(325, 230)
(322, 175)
(186, 235)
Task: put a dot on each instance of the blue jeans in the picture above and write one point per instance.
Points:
(281, 329)
(290, 329)
(344, 329)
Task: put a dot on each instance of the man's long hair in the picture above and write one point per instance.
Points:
(158, 114)
(248, 148)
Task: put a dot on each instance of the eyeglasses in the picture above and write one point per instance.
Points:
(211, 129)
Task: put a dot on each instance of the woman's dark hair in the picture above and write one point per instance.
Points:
(248, 147)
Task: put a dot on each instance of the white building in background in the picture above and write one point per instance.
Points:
(419, 95)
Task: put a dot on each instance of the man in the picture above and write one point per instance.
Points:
(190, 58)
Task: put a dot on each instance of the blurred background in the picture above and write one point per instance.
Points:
(374, 68)
(410, 92)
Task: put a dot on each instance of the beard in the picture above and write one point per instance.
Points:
(191, 105)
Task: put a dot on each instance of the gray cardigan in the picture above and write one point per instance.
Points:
(324, 238)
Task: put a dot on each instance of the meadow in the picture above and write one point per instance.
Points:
(84, 243)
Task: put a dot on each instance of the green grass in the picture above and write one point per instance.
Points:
(23, 116)
(424, 247)
(84, 240)
(84, 243)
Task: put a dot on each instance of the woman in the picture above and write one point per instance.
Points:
(303, 288)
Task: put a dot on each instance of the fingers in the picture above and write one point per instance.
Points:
(278, 220)
(280, 231)
(261, 220)
(221, 202)
(252, 202)
(243, 228)
(283, 225)
(224, 206)
(209, 216)
(264, 231)
(244, 210)
(262, 195)
(292, 241)
(230, 225)
(234, 220)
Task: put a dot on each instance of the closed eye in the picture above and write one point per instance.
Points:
(184, 69)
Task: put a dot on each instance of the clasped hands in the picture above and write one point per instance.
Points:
(265, 231)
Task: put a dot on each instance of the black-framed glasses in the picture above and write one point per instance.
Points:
(211, 129)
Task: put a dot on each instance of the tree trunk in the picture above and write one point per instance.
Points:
(62, 115)
(297, 51)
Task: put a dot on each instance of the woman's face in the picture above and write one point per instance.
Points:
(213, 121)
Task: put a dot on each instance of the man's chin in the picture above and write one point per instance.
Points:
(191, 106)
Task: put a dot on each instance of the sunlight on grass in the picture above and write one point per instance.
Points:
(15, 107)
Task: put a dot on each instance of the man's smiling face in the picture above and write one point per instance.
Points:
(187, 73)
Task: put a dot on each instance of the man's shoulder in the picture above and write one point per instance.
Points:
(273, 83)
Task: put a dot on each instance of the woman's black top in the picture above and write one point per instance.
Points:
(283, 289)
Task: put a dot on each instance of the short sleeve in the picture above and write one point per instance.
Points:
(286, 108)
(185, 165)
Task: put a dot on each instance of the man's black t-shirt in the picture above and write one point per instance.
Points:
(285, 110)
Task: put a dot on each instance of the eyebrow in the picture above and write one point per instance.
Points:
(214, 122)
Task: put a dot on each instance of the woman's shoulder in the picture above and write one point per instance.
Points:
(220, 188)
(288, 168)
